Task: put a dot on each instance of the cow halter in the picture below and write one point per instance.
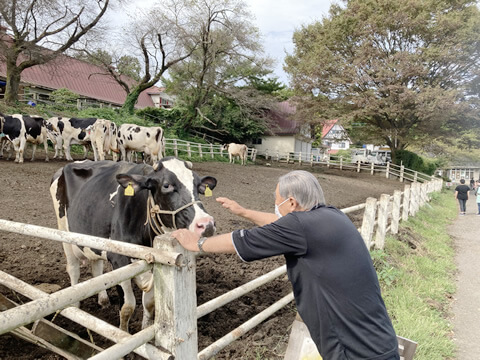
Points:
(154, 211)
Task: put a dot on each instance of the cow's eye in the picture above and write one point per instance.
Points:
(167, 187)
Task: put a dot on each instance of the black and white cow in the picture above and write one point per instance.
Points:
(20, 129)
(72, 131)
(147, 140)
(89, 198)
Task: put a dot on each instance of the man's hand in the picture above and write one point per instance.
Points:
(232, 206)
(187, 238)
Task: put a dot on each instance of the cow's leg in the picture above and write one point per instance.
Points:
(145, 283)
(66, 149)
(148, 300)
(230, 157)
(128, 307)
(97, 270)
(45, 146)
(34, 149)
(73, 266)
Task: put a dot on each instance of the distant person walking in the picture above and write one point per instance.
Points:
(477, 193)
(461, 194)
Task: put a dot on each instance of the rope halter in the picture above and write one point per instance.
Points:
(154, 211)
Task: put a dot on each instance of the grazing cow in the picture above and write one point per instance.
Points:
(72, 131)
(20, 129)
(89, 198)
(103, 136)
(234, 150)
(148, 140)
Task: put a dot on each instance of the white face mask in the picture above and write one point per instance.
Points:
(277, 211)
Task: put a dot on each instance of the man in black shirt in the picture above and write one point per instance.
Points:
(334, 282)
(461, 194)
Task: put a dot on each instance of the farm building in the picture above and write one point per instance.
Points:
(335, 137)
(286, 135)
(89, 81)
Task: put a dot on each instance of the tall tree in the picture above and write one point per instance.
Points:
(229, 54)
(402, 69)
(38, 31)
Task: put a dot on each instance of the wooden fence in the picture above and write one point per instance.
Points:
(175, 329)
(182, 147)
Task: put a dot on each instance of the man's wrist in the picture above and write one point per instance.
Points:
(200, 243)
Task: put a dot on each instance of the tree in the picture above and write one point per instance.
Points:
(41, 30)
(216, 85)
(401, 69)
(157, 39)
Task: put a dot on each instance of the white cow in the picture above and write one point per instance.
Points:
(103, 136)
(148, 140)
(240, 150)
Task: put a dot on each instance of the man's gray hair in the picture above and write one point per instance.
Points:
(303, 187)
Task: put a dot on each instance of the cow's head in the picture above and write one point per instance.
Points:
(174, 185)
(225, 147)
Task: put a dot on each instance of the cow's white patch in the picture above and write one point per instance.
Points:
(112, 195)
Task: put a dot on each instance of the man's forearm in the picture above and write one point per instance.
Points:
(259, 218)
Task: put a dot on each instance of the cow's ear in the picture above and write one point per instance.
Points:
(138, 182)
(207, 180)
(189, 165)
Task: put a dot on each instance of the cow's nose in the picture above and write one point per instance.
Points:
(205, 226)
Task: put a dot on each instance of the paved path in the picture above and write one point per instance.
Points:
(466, 307)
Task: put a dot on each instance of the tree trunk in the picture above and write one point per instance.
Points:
(13, 82)
(131, 100)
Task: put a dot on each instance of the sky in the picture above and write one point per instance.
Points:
(277, 21)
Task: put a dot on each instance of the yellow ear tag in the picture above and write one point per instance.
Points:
(129, 190)
(208, 192)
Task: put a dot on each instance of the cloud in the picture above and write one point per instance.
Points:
(277, 21)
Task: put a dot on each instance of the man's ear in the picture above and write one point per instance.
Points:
(138, 182)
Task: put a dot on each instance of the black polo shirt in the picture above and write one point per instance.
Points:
(334, 282)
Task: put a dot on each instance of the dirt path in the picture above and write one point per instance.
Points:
(466, 307)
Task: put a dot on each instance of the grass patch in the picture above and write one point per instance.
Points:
(416, 273)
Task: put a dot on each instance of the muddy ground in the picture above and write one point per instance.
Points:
(24, 197)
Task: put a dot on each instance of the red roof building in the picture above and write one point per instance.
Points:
(87, 80)
(285, 135)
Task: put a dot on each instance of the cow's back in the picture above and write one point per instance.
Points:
(89, 194)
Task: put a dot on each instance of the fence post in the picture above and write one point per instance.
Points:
(211, 151)
(328, 161)
(387, 172)
(288, 158)
(402, 171)
(278, 155)
(189, 150)
(368, 222)
(176, 302)
(372, 168)
(299, 158)
(358, 166)
(341, 162)
(415, 176)
(382, 220)
(406, 203)
(413, 198)
(397, 199)
(254, 155)
(175, 147)
(311, 160)
(200, 150)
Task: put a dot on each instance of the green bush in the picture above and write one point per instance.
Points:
(415, 162)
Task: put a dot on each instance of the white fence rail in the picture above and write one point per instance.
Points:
(176, 311)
